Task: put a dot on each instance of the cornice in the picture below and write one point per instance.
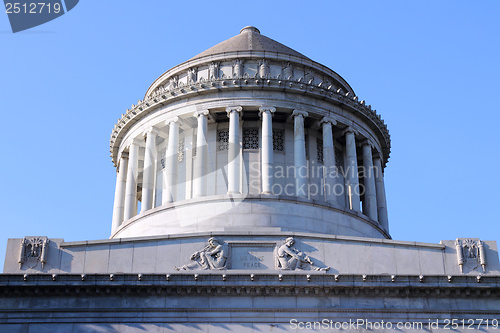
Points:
(164, 97)
(277, 283)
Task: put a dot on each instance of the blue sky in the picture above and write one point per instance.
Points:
(431, 68)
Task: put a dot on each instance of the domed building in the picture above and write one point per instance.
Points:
(242, 136)
(249, 198)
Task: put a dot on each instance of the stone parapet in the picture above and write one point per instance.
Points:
(259, 252)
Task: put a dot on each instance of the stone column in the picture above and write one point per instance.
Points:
(201, 159)
(267, 160)
(370, 202)
(233, 173)
(148, 174)
(380, 187)
(299, 153)
(352, 180)
(121, 181)
(329, 160)
(170, 171)
(130, 209)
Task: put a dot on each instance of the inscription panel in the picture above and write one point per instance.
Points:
(252, 256)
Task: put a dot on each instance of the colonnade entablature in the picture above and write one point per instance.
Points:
(317, 85)
(186, 119)
(254, 150)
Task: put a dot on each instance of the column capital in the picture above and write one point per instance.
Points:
(123, 155)
(377, 156)
(327, 120)
(349, 129)
(263, 109)
(199, 113)
(152, 130)
(135, 142)
(230, 109)
(366, 142)
(296, 113)
(173, 120)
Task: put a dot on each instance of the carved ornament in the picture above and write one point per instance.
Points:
(290, 258)
(33, 251)
(173, 90)
(470, 253)
(211, 257)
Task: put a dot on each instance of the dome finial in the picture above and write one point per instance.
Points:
(249, 28)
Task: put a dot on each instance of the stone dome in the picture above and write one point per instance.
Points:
(249, 39)
(248, 44)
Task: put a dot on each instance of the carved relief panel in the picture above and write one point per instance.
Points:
(191, 75)
(33, 251)
(288, 71)
(290, 258)
(211, 257)
(251, 255)
(263, 68)
(470, 253)
(213, 70)
(173, 82)
(238, 68)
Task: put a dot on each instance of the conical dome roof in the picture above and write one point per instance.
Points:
(249, 39)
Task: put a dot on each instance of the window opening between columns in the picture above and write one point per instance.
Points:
(250, 138)
(180, 151)
(278, 140)
(319, 149)
(222, 140)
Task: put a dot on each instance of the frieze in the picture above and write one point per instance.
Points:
(195, 83)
